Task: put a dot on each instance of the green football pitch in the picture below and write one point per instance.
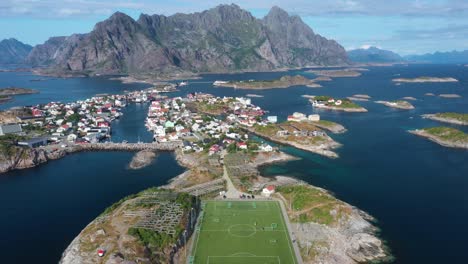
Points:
(242, 232)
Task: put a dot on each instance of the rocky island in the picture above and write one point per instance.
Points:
(400, 104)
(142, 159)
(360, 97)
(425, 79)
(445, 136)
(7, 93)
(451, 118)
(450, 96)
(329, 103)
(336, 73)
(283, 82)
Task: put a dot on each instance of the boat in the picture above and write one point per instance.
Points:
(184, 83)
(218, 83)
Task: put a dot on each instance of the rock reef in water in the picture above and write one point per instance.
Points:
(449, 96)
(142, 159)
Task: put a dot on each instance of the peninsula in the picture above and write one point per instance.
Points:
(336, 73)
(283, 82)
(451, 118)
(302, 135)
(330, 103)
(142, 226)
(445, 136)
(425, 79)
(400, 104)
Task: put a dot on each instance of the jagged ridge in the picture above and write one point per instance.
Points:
(224, 38)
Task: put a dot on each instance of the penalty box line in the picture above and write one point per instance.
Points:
(268, 257)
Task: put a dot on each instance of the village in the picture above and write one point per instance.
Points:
(196, 123)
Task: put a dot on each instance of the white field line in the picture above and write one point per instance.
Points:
(286, 232)
(277, 257)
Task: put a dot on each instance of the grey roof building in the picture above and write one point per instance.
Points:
(10, 129)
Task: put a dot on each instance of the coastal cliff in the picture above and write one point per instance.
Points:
(329, 230)
(23, 158)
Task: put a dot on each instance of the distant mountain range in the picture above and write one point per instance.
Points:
(373, 55)
(13, 51)
(441, 57)
(222, 39)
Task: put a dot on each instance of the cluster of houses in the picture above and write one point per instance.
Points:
(299, 117)
(328, 102)
(171, 120)
(76, 122)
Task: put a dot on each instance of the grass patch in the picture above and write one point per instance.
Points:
(455, 116)
(448, 133)
(308, 204)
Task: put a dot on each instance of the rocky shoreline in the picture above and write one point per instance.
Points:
(337, 73)
(32, 157)
(336, 108)
(29, 158)
(397, 104)
(9, 91)
(439, 140)
(322, 149)
(424, 80)
(330, 126)
(445, 119)
(284, 82)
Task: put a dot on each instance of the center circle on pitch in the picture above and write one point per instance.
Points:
(242, 230)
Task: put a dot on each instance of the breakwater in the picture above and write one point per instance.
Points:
(110, 146)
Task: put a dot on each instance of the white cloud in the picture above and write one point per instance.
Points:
(62, 8)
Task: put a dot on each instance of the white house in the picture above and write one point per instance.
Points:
(268, 190)
(272, 119)
(314, 117)
(265, 148)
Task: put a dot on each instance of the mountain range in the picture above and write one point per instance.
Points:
(441, 57)
(373, 55)
(13, 51)
(222, 39)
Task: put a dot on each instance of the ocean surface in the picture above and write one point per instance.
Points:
(416, 189)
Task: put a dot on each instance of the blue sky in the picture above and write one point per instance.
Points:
(404, 26)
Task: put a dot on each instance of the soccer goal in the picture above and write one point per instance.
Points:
(229, 205)
(254, 205)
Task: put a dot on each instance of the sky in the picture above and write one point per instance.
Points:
(403, 26)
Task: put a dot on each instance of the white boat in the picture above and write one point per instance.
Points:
(217, 83)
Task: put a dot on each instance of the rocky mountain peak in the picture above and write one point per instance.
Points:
(222, 39)
(13, 51)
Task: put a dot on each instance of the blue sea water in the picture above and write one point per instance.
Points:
(416, 189)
